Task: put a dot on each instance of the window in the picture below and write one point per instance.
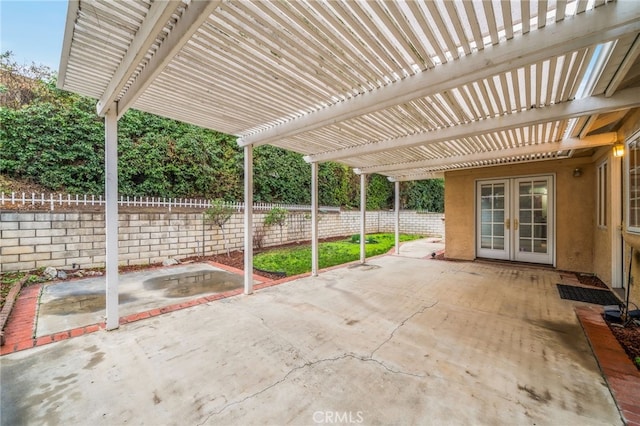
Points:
(602, 195)
(633, 185)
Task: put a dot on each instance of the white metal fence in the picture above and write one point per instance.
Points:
(67, 200)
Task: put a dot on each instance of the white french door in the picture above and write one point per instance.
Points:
(515, 219)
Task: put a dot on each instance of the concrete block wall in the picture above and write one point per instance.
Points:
(411, 222)
(32, 240)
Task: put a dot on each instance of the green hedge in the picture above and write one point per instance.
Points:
(55, 139)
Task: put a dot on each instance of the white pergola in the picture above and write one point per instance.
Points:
(406, 89)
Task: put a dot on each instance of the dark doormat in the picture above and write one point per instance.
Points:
(589, 295)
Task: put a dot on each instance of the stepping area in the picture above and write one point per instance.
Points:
(407, 340)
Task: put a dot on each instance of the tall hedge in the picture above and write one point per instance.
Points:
(54, 138)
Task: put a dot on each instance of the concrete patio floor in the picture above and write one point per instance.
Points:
(70, 304)
(400, 340)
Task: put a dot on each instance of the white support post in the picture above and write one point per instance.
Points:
(617, 255)
(111, 219)
(397, 218)
(248, 219)
(363, 218)
(314, 219)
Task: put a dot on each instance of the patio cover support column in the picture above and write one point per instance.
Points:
(248, 219)
(363, 217)
(111, 218)
(314, 219)
(397, 218)
(617, 272)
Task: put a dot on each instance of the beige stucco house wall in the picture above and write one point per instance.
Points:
(629, 129)
(602, 243)
(575, 209)
(581, 245)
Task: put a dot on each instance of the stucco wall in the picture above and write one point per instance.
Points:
(575, 209)
(602, 258)
(631, 240)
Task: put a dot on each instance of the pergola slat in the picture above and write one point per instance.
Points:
(342, 79)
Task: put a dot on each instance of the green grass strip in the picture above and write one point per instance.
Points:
(297, 260)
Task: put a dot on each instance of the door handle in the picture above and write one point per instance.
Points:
(515, 224)
(506, 224)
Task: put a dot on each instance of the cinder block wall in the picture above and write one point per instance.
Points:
(31, 240)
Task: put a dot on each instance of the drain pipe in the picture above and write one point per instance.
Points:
(629, 281)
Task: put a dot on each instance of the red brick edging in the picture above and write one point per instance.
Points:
(20, 330)
(10, 300)
(21, 322)
(618, 370)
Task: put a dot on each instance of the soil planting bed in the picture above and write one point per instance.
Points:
(629, 338)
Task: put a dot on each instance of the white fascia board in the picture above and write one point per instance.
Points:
(157, 17)
(568, 144)
(72, 12)
(629, 98)
(605, 23)
(192, 18)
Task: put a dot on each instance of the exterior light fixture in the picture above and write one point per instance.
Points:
(577, 172)
(618, 150)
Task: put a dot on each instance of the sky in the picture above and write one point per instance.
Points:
(33, 30)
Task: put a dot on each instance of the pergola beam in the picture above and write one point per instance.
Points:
(565, 145)
(508, 157)
(158, 15)
(603, 120)
(625, 66)
(584, 30)
(629, 98)
(192, 18)
(420, 176)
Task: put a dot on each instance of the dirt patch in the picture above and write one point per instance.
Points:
(592, 280)
(629, 339)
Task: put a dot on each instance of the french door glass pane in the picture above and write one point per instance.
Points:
(532, 205)
(492, 215)
(485, 242)
(540, 245)
(498, 243)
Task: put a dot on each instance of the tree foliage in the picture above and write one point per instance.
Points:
(427, 195)
(379, 193)
(54, 138)
(219, 213)
(280, 176)
(22, 85)
(276, 216)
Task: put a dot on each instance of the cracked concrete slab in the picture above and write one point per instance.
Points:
(414, 341)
